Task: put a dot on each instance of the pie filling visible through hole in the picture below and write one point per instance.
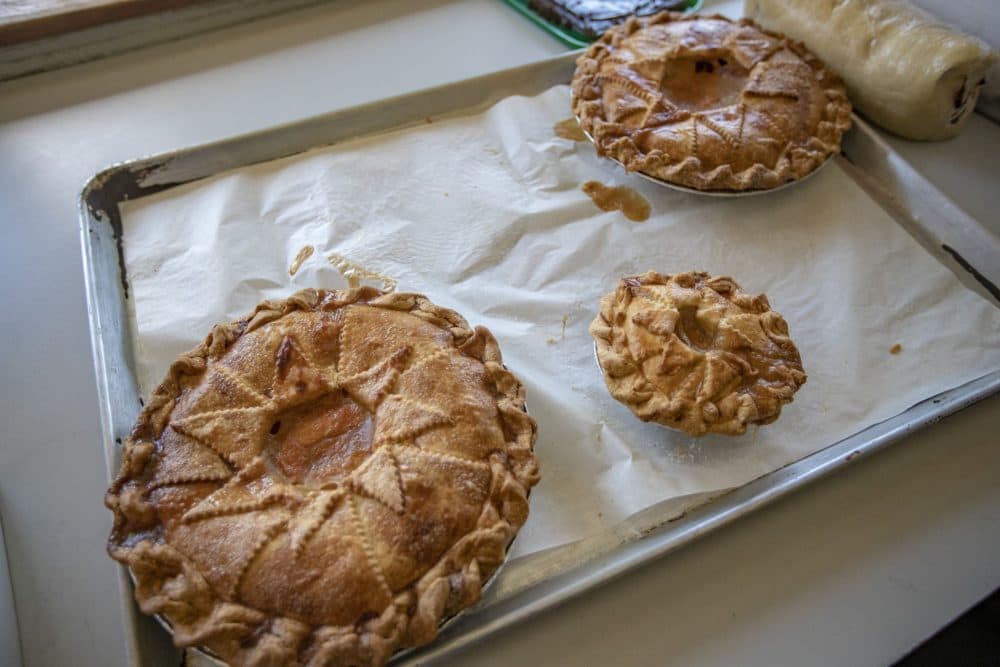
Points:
(320, 443)
(690, 330)
(703, 83)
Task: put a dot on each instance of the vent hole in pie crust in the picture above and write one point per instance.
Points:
(702, 83)
(690, 330)
(321, 441)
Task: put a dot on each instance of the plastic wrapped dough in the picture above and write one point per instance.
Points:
(905, 70)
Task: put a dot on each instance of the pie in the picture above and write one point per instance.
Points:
(695, 353)
(324, 481)
(708, 103)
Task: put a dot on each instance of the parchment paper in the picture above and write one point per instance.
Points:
(484, 214)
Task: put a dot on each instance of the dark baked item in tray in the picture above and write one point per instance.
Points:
(590, 18)
(324, 481)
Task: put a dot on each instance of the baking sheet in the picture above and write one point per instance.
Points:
(484, 214)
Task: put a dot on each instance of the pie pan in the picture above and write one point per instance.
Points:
(724, 194)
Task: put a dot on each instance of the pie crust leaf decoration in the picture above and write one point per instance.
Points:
(452, 492)
(369, 387)
(695, 353)
(186, 461)
(708, 103)
(236, 496)
(224, 390)
(403, 419)
(314, 515)
(324, 481)
(236, 433)
(379, 478)
(296, 380)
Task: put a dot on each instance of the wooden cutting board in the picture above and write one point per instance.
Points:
(30, 20)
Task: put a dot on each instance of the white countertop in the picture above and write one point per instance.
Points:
(856, 569)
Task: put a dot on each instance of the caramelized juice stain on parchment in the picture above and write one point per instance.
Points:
(304, 254)
(355, 273)
(618, 198)
(552, 339)
(569, 129)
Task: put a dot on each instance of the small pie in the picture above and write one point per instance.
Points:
(324, 481)
(695, 353)
(708, 103)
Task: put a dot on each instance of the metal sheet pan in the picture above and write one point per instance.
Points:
(529, 585)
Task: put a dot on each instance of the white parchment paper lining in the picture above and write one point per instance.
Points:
(484, 214)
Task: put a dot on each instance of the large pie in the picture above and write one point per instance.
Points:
(708, 103)
(324, 481)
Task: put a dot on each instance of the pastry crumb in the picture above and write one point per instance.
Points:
(598, 437)
(551, 340)
(896, 349)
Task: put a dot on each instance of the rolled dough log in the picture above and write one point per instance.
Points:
(904, 69)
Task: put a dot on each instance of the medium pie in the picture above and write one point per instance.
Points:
(695, 353)
(708, 103)
(324, 481)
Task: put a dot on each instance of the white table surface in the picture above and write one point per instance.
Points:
(856, 569)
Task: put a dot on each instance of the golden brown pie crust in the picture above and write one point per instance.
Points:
(325, 480)
(709, 103)
(695, 353)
